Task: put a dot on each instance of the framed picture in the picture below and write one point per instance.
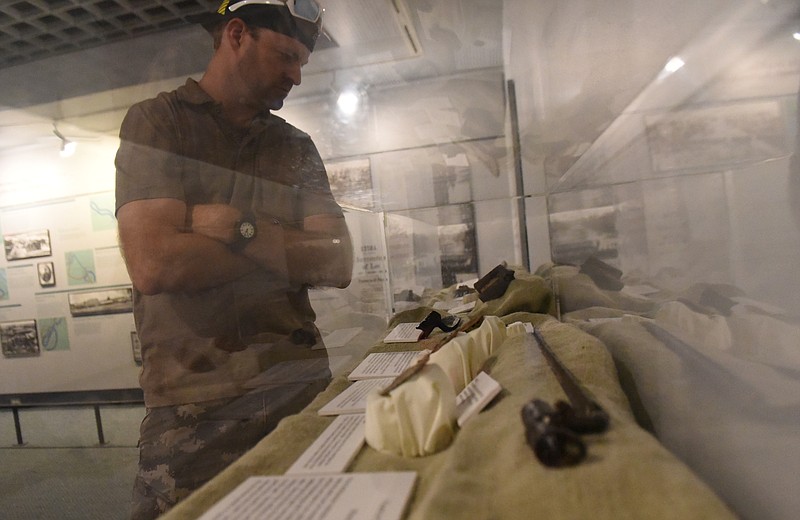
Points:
(457, 243)
(107, 301)
(47, 274)
(27, 245)
(351, 183)
(19, 338)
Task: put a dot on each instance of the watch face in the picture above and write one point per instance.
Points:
(247, 230)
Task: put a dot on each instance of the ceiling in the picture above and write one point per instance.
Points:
(92, 66)
(59, 49)
(35, 29)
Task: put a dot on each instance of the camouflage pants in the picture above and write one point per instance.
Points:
(182, 447)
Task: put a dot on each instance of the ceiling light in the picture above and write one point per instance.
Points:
(348, 102)
(68, 148)
(796, 35)
(674, 64)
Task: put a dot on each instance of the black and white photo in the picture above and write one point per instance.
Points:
(106, 301)
(19, 338)
(351, 183)
(47, 274)
(31, 244)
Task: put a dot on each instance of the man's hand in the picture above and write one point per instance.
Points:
(217, 221)
(162, 257)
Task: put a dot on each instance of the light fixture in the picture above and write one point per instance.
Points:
(796, 35)
(674, 64)
(348, 102)
(67, 147)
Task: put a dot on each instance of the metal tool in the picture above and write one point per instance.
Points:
(554, 432)
(582, 414)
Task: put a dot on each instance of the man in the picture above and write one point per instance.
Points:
(225, 219)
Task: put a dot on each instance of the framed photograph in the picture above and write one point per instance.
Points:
(107, 301)
(47, 274)
(19, 338)
(136, 347)
(457, 243)
(351, 183)
(27, 245)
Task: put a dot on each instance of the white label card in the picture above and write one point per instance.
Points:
(463, 308)
(333, 451)
(354, 398)
(355, 496)
(338, 338)
(404, 333)
(448, 304)
(383, 364)
(478, 393)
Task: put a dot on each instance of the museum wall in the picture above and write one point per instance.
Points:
(424, 174)
(62, 276)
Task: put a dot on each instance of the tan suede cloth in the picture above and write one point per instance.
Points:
(488, 471)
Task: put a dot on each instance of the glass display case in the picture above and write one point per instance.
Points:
(660, 138)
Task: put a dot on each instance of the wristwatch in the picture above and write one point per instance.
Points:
(245, 231)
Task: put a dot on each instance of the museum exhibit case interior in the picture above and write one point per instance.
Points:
(635, 163)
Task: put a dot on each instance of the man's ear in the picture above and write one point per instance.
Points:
(234, 32)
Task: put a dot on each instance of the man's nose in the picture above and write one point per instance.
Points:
(295, 74)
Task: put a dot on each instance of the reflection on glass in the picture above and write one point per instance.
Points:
(659, 140)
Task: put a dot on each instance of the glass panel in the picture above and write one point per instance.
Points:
(657, 139)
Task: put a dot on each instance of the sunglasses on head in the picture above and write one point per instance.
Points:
(308, 10)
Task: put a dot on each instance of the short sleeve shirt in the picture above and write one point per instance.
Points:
(208, 345)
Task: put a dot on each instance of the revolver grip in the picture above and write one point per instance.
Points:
(554, 445)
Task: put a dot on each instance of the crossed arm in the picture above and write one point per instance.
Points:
(162, 255)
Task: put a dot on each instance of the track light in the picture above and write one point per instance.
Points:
(67, 147)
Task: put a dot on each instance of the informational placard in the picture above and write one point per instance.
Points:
(404, 333)
(465, 307)
(474, 398)
(298, 371)
(338, 338)
(355, 496)
(354, 398)
(383, 364)
(333, 451)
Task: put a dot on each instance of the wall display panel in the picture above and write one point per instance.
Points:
(67, 308)
(368, 292)
(717, 136)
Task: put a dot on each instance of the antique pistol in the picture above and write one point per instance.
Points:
(553, 443)
(553, 433)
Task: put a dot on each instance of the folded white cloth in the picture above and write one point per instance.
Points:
(418, 418)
